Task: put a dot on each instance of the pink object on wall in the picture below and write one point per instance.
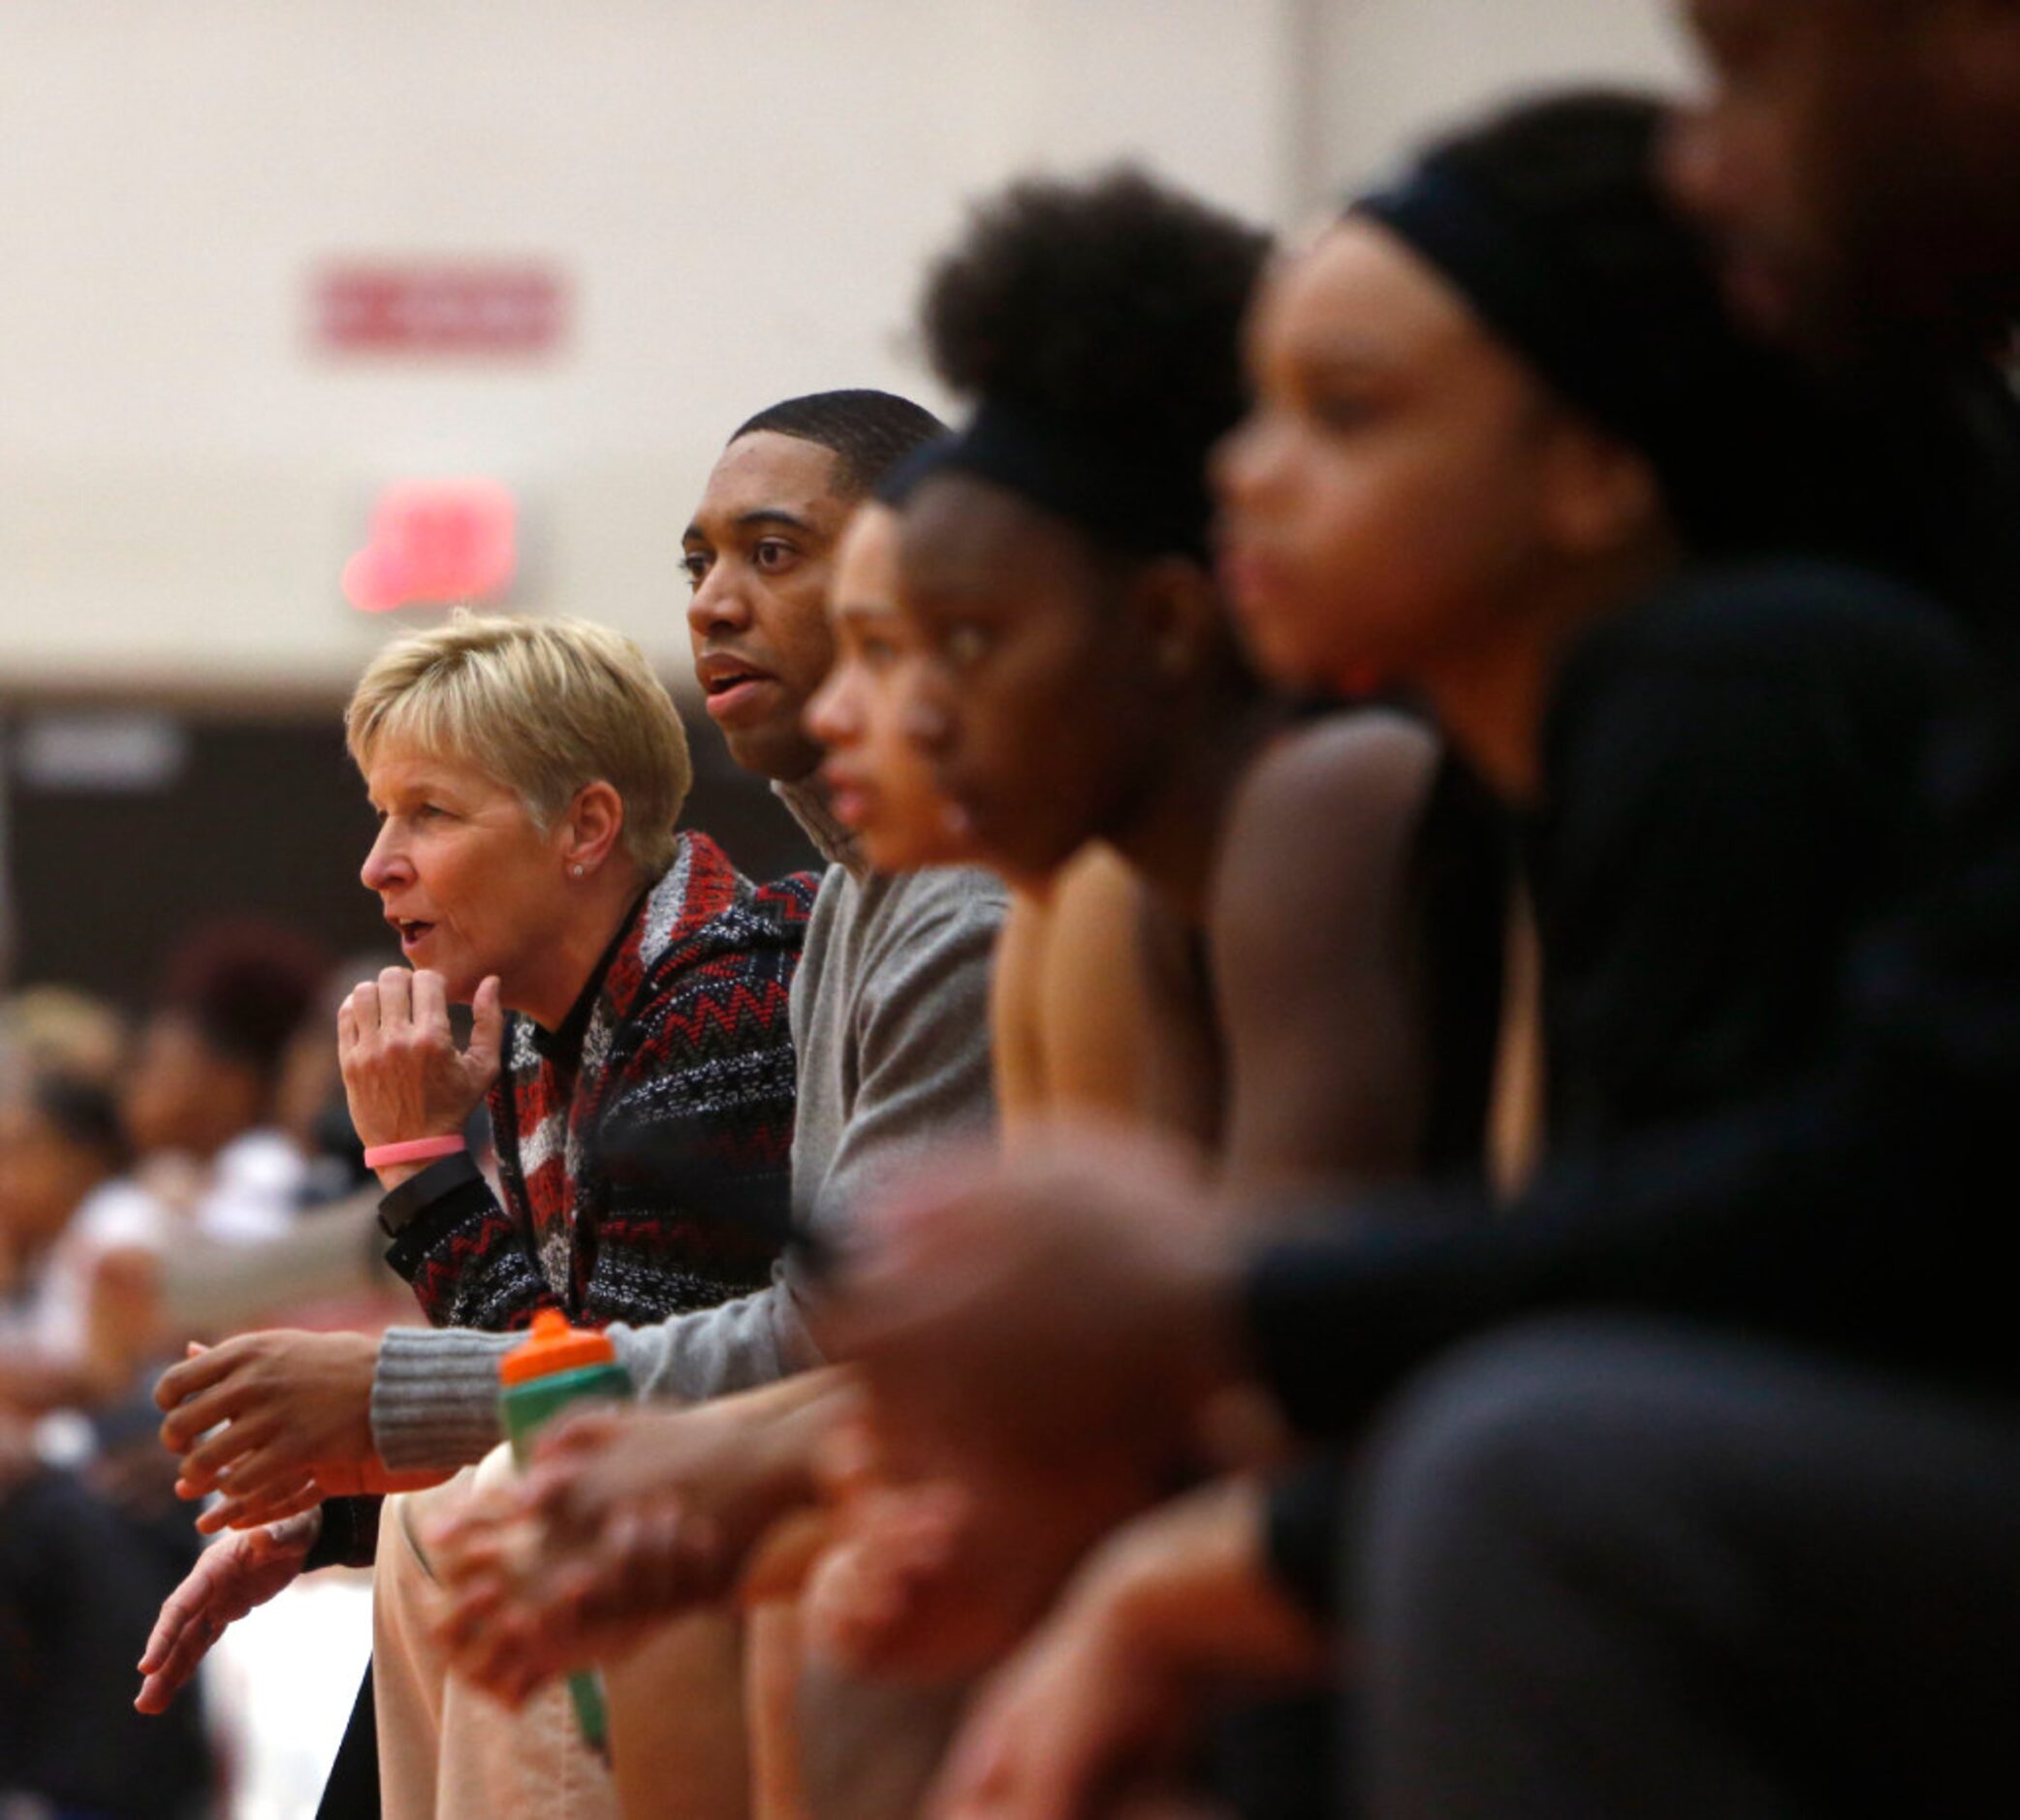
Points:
(436, 542)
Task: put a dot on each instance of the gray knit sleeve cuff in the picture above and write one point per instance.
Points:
(435, 1397)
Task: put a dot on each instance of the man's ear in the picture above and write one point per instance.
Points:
(1179, 615)
(592, 827)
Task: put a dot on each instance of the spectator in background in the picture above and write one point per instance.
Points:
(79, 1570)
(325, 1273)
(196, 1107)
(64, 1031)
(60, 1140)
(201, 1101)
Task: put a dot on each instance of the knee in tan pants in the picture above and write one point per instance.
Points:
(677, 1735)
(448, 1751)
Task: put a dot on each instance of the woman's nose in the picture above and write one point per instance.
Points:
(829, 717)
(385, 865)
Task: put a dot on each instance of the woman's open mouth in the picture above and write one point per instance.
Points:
(412, 933)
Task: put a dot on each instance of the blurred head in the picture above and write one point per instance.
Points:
(1858, 161)
(528, 775)
(59, 1139)
(1497, 398)
(1053, 555)
(209, 1055)
(878, 781)
(759, 554)
(59, 1030)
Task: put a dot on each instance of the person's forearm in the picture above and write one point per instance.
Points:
(825, 1385)
(434, 1400)
(465, 1256)
(1201, 1599)
(1784, 1218)
(799, 1417)
(740, 1345)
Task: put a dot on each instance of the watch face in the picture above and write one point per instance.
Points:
(400, 1206)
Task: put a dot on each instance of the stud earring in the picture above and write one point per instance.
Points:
(577, 868)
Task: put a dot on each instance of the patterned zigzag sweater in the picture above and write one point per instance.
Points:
(681, 1044)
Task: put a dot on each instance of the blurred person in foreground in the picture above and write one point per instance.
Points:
(1744, 1544)
(629, 987)
(1482, 495)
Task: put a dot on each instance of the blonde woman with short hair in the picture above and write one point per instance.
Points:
(629, 994)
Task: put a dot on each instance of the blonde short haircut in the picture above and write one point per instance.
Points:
(542, 706)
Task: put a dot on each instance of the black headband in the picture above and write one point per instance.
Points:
(1148, 502)
(1604, 351)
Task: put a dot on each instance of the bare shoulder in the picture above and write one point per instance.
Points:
(1359, 771)
(1327, 816)
(1098, 900)
(1312, 935)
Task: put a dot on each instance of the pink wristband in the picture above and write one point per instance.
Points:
(414, 1151)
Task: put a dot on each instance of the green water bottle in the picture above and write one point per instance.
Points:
(557, 1367)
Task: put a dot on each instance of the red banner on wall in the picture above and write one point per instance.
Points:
(450, 309)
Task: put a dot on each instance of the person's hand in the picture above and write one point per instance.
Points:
(1107, 1692)
(1052, 1307)
(287, 1405)
(298, 1491)
(625, 1518)
(403, 1075)
(937, 1577)
(230, 1578)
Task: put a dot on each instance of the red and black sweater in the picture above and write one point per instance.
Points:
(678, 1048)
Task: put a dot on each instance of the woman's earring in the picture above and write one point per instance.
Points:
(577, 868)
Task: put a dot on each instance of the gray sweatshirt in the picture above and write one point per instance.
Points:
(890, 1018)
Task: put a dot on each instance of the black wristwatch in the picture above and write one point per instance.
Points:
(401, 1207)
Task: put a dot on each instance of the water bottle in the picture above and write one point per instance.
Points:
(557, 1367)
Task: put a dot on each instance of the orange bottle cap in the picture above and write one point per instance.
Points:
(554, 1346)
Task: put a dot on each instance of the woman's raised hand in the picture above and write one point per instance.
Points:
(404, 1074)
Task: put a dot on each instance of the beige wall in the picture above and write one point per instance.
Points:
(741, 195)
(1389, 69)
